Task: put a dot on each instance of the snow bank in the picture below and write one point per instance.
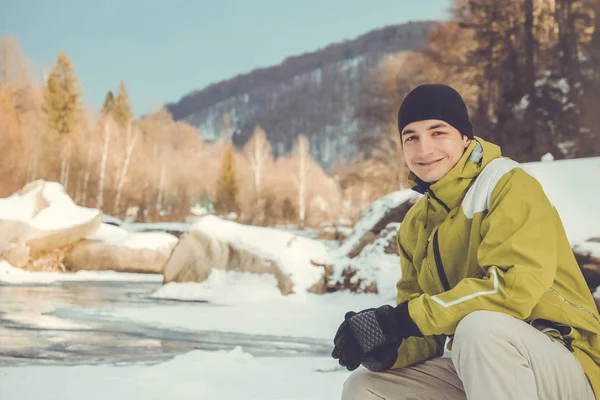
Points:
(217, 375)
(60, 211)
(12, 275)
(592, 248)
(292, 253)
(117, 236)
(572, 186)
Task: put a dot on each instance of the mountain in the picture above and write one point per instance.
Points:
(312, 94)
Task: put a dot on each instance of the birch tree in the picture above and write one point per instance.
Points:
(259, 153)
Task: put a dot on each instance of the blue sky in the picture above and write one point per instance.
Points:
(166, 49)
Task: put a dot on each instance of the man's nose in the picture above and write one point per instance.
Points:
(425, 145)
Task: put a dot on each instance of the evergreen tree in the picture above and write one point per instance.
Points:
(122, 112)
(109, 103)
(61, 97)
(62, 107)
(227, 185)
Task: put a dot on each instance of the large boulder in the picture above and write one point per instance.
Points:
(198, 253)
(225, 245)
(114, 249)
(41, 217)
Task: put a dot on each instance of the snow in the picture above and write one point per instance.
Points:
(223, 287)
(61, 212)
(547, 157)
(373, 265)
(373, 215)
(156, 226)
(213, 375)
(243, 308)
(118, 236)
(591, 248)
(569, 184)
(12, 275)
(292, 253)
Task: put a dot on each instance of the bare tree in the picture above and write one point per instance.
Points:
(107, 126)
(130, 146)
(259, 153)
(302, 171)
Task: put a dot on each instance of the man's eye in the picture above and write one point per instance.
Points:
(438, 133)
(409, 138)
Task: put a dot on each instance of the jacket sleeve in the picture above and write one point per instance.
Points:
(414, 349)
(517, 256)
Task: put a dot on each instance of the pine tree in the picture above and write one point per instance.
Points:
(121, 110)
(62, 106)
(109, 103)
(227, 185)
(61, 97)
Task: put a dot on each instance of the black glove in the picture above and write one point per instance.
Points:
(360, 335)
(382, 358)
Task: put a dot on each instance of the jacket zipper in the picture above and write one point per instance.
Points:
(438, 262)
(574, 305)
(433, 196)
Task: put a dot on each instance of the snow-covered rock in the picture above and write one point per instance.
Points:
(216, 243)
(390, 208)
(367, 261)
(112, 248)
(43, 217)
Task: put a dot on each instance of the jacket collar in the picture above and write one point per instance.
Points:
(452, 187)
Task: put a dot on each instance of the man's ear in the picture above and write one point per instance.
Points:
(467, 140)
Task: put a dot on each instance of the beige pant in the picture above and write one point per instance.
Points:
(494, 356)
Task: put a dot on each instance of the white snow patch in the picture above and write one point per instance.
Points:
(591, 248)
(12, 275)
(217, 375)
(117, 236)
(223, 287)
(547, 157)
(308, 315)
(60, 213)
(569, 184)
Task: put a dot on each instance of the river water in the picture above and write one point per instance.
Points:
(56, 324)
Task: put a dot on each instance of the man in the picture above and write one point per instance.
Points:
(485, 263)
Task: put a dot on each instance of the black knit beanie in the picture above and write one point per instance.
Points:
(435, 101)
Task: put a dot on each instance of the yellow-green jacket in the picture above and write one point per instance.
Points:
(486, 237)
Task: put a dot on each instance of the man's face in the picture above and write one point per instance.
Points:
(432, 147)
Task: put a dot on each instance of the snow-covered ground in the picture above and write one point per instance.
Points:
(17, 276)
(220, 375)
(250, 304)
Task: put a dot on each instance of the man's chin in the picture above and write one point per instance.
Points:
(430, 177)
